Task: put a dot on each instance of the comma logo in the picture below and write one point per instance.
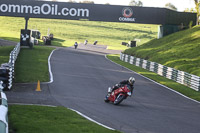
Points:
(127, 12)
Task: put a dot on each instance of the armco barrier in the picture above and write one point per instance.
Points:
(181, 77)
(9, 67)
(3, 111)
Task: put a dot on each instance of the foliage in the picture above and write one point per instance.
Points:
(72, 1)
(197, 3)
(170, 6)
(135, 3)
(190, 24)
(87, 1)
(190, 10)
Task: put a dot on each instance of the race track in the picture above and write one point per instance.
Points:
(81, 79)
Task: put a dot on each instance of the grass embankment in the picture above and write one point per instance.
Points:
(180, 50)
(162, 80)
(38, 119)
(67, 32)
(32, 64)
(5, 54)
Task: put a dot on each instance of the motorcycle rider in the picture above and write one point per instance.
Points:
(130, 82)
(75, 45)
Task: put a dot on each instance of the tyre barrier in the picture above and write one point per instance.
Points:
(192, 81)
(3, 111)
(7, 69)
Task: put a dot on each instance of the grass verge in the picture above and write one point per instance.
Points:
(162, 80)
(39, 119)
(179, 50)
(33, 62)
(5, 53)
(67, 32)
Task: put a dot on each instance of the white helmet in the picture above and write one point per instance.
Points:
(131, 80)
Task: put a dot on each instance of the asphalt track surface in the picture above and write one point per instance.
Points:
(7, 43)
(81, 78)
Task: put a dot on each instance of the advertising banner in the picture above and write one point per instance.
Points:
(91, 12)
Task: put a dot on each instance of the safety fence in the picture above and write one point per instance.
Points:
(7, 69)
(3, 111)
(6, 81)
(181, 77)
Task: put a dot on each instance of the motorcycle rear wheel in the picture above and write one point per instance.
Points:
(119, 99)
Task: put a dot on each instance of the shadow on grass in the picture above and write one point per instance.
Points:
(54, 42)
(57, 42)
(10, 39)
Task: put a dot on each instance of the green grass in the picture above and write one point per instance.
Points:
(162, 80)
(38, 119)
(5, 54)
(32, 64)
(180, 50)
(67, 32)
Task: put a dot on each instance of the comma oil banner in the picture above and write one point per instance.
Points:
(77, 11)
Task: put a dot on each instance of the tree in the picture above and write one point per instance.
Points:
(135, 3)
(197, 4)
(187, 10)
(87, 1)
(72, 1)
(190, 10)
(170, 6)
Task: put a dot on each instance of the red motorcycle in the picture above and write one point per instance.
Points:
(118, 95)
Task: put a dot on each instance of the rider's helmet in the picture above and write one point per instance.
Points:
(131, 80)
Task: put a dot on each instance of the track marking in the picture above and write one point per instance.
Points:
(90, 119)
(49, 64)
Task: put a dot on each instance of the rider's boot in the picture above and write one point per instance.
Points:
(109, 90)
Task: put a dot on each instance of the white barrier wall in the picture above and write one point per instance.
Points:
(11, 65)
(3, 99)
(3, 112)
(181, 77)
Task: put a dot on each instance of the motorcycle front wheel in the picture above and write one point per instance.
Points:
(106, 98)
(119, 99)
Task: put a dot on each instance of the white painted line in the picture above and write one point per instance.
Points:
(90, 119)
(49, 64)
(155, 82)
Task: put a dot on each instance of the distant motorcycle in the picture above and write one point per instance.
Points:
(118, 95)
